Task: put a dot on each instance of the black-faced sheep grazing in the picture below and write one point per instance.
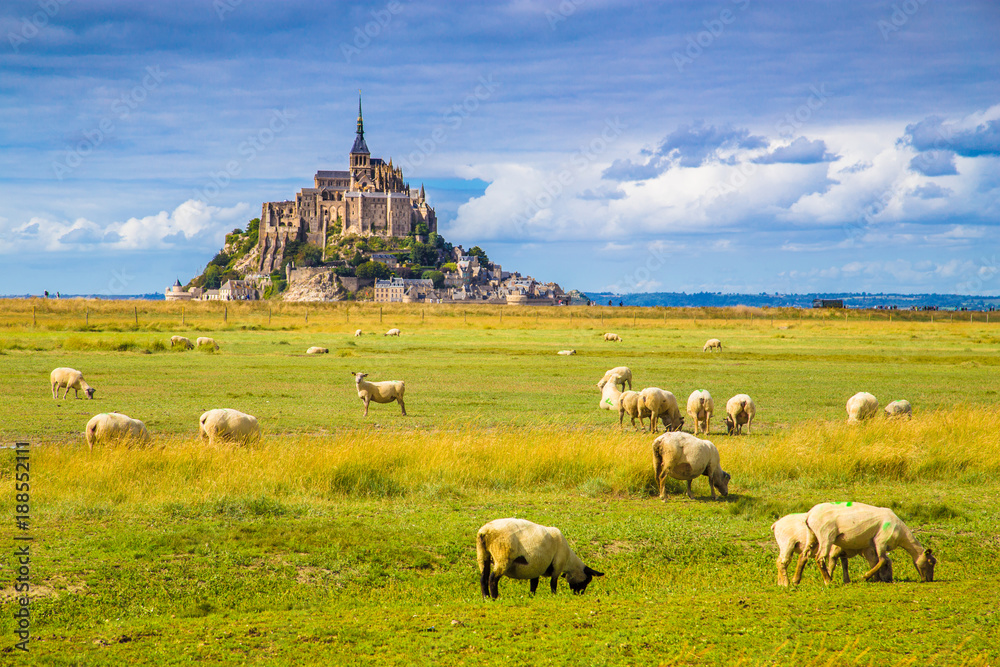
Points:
(392, 332)
(184, 341)
(317, 350)
(205, 340)
(684, 457)
(712, 344)
(380, 392)
(521, 549)
(793, 537)
(740, 411)
(69, 378)
(661, 405)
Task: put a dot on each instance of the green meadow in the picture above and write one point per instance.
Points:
(340, 539)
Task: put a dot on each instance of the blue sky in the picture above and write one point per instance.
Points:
(733, 145)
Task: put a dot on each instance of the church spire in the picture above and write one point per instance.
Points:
(360, 147)
(361, 122)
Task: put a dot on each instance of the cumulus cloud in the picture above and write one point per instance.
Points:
(933, 133)
(800, 151)
(935, 163)
(932, 191)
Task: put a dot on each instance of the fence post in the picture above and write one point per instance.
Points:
(33, 320)
(501, 314)
(269, 316)
(380, 314)
(225, 313)
(136, 309)
(88, 316)
(182, 316)
(307, 316)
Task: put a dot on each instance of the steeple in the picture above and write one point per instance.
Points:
(360, 147)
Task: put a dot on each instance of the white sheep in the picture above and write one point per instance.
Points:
(228, 424)
(392, 332)
(566, 353)
(521, 549)
(712, 344)
(204, 340)
(899, 409)
(380, 392)
(700, 406)
(630, 403)
(112, 427)
(317, 350)
(854, 526)
(357, 333)
(661, 404)
(740, 410)
(612, 337)
(792, 535)
(181, 340)
(70, 379)
(610, 397)
(618, 375)
(861, 406)
(683, 456)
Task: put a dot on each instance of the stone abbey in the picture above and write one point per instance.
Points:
(369, 199)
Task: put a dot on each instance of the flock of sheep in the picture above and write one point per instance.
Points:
(519, 549)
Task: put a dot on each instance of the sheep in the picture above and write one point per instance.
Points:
(712, 344)
(854, 526)
(181, 340)
(392, 332)
(861, 406)
(115, 427)
(612, 337)
(792, 536)
(357, 333)
(566, 353)
(317, 350)
(228, 424)
(70, 379)
(629, 402)
(700, 406)
(661, 405)
(683, 456)
(203, 340)
(521, 549)
(899, 409)
(619, 375)
(740, 410)
(380, 392)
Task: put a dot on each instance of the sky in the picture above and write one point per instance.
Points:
(712, 145)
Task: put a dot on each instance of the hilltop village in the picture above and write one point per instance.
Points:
(358, 234)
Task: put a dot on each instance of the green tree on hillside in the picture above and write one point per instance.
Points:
(376, 270)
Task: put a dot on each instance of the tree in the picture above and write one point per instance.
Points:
(436, 276)
(358, 259)
(476, 251)
(376, 270)
(449, 266)
(423, 254)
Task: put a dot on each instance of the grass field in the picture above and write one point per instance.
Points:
(344, 539)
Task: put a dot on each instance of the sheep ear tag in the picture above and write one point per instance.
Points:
(521, 560)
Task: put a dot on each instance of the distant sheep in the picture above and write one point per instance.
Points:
(521, 549)
(712, 344)
(683, 456)
(899, 409)
(317, 350)
(204, 340)
(618, 375)
(114, 427)
(566, 353)
(612, 337)
(793, 537)
(228, 424)
(740, 410)
(861, 406)
(661, 404)
(181, 340)
(392, 332)
(380, 392)
(700, 406)
(357, 333)
(70, 379)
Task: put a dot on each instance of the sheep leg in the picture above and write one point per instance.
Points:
(484, 580)
(401, 406)
(878, 566)
(800, 566)
(689, 490)
(843, 563)
(534, 585)
(652, 424)
(365, 401)
(707, 420)
(494, 586)
(658, 472)
(553, 583)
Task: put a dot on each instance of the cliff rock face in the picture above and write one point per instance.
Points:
(320, 286)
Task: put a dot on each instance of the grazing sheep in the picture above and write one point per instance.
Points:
(855, 527)
(566, 353)
(357, 333)
(181, 340)
(521, 549)
(899, 409)
(700, 406)
(228, 424)
(610, 397)
(712, 344)
(683, 456)
(661, 404)
(612, 337)
(740, 410)
(317, 350)
(203, 340)
(861, 406)
(392, 332)
(630, 403)
(618, 375)
(380, 392)
(111, 427)
(70, 379)
(792, 535)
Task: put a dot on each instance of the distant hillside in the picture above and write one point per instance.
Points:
(851, 300)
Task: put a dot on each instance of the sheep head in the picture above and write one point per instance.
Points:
(89, 391)
(358, 377)
(720, 480)
(580, 586)
(730, 425)
(925, 563)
